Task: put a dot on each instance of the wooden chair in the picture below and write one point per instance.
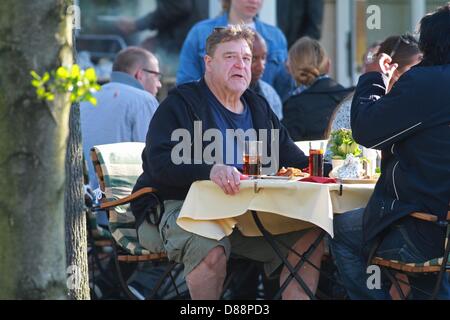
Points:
(117, 168)
(437, 266)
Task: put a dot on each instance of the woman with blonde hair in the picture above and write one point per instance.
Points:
(308, 110)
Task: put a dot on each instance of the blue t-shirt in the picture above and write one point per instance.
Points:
(226, 119)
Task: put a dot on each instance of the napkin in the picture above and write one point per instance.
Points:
(318, 179)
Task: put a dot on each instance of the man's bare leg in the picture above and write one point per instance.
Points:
(205, 282)
(309, 275)
(404, 286)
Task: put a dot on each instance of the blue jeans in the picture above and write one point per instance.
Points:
(351, 254)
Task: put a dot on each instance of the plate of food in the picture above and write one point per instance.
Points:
(292, 173)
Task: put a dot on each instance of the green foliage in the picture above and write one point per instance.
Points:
(342, 144)
(81, 84)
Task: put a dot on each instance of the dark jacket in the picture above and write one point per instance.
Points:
(184, 105)
(299, 18)
(173, 19)
(307, 115)
(412, 126)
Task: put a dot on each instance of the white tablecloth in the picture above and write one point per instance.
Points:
(282, 205)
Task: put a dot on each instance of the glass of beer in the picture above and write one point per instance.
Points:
(252, 158)
(316, 162)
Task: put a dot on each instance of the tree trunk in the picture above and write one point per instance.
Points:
(76, 238)
(75, 220)
(33, 139)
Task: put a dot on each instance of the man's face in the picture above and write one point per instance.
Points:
(149, 76)
(246, 8)
(230, 66)
(259, 60)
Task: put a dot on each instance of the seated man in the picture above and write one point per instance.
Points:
(257, 84)
(410, 125)
(123, 112)
(220, 101)
(125, 105)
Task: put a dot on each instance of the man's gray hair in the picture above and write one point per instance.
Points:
(128, 59)
(227, 34)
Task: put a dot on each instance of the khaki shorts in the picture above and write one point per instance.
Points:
(190, 249)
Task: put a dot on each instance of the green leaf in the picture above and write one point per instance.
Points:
(75, 72)
(50, 96)
(35, 75)
(80, 84)
(62, 73)
(92, 100)
(40, 92)
(46, 77)
(90, 75)
(36, 83)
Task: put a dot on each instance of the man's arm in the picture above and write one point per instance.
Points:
(172, 115)
(167, 14)
(380, 120)
(190, 63)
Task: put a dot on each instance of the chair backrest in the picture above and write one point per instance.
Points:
(118, 167)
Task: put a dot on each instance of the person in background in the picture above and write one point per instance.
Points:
(192, 66)
(410, 124)
(125, 105)
(257, 84)
(307, 112)
(341, 116)
(172, 19)
(300, 18)
(406, 55)
(124, 109)
(370, 56)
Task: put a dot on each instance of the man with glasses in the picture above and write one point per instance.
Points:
(125, 105)
(123, 112)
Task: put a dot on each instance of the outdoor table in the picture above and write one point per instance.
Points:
(265, 207)
(283, 206)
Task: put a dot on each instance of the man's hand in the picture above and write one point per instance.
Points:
(382, 64)
(226, 177)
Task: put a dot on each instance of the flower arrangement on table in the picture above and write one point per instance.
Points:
(342, 144)
(345, 155)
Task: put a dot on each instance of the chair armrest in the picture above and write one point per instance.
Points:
(427, 217)
(127, 199)
(424, 216)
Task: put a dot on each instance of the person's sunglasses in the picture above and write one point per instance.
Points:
(158, 74)
(219, 29)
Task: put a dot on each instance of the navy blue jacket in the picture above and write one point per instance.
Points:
(411, 125)
(184, 105)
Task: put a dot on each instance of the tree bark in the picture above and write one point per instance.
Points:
(76, 237)
(75, 219)
(33, 139)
